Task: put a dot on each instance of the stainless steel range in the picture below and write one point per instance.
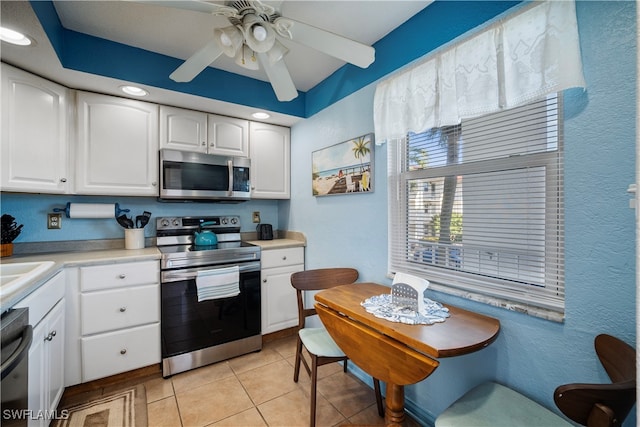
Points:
(197, 331)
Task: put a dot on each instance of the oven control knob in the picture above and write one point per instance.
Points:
(234, 220)
(224, 221)
(165, 223)
(176, 222)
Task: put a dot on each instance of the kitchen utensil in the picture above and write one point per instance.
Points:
(124, 221)
(145, 218)
(205, 237)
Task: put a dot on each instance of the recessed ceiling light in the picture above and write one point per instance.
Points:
(134, 90)
(260, 115)
(14, 37)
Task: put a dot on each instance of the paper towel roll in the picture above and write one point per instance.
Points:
(92, 210)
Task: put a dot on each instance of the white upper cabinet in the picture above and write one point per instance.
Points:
(182, 129)
(228, 136)
(35, 157)
(188, 130)
(117, 147)
(270, 150)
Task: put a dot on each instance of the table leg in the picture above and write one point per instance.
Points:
(394, 412)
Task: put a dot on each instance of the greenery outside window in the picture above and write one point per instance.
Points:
(477, 208)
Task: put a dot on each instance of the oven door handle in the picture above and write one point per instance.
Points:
(192, 273)
(21, 352)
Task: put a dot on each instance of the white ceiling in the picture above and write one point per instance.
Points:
(179, 33)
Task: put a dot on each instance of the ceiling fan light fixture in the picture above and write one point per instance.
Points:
(259, 35)
(229, 39)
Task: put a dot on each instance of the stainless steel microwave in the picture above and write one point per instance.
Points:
(193, 176)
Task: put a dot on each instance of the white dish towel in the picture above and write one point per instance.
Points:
(218, 283)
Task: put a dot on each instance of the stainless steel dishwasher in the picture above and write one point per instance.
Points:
(16, 336)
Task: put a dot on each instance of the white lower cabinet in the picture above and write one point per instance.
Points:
(47, 352)
(116, 319)
(279, 304)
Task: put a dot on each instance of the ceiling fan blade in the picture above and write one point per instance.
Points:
(194, 5)
(197, 63)
(332, 44)
(279, 77)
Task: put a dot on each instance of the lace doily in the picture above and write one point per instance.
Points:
(381, 306)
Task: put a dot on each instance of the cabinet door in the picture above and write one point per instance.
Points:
(37, 384)
(46, 365)
(55, 336)
(34, 134)
(228, 136)
(182, 129)
(270, 151)
(117, 146)
(279, 303)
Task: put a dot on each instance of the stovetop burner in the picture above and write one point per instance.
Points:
(175, 242)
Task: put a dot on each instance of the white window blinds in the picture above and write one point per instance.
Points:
(477, 208)
(510, 63)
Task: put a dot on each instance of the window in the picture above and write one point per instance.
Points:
(477, 208)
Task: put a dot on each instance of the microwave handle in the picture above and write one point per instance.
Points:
(230, 166)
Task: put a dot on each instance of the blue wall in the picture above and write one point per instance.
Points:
(531, 355)
(31, 210)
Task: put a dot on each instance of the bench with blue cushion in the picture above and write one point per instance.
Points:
(493, 405)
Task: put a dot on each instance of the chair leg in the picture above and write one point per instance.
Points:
(344, 365)
(314, 383)
(296, 368)
(376, 387)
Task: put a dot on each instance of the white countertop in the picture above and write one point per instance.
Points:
(70, 259)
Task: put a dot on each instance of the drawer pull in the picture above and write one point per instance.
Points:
(122, 276)
(284, 258)
(123, 309)
(123, 351)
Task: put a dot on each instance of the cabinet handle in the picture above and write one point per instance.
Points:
(204, 143)
(284, 258)
(63, 179)
(123, 309)
(122, 276)
(264, 280)
(50, 336)
(153, 184)
(123, 351)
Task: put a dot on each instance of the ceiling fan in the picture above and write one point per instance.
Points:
(252, 38)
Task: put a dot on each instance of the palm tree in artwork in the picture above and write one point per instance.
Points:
(361, 149)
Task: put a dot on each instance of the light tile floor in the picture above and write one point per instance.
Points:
(257, 389)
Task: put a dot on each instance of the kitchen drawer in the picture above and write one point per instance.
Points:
(119, 308)
(118, 275)
(281, 257)
(116, 352)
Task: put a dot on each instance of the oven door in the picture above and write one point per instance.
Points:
(188, 325)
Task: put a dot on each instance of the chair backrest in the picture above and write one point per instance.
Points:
(316, 280)
(605, 405)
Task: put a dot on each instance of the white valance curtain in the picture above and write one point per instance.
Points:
(513, 62)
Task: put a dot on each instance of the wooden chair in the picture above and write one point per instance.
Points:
(317, 341)
(603, 405)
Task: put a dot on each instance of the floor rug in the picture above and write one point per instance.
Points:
(127, 408)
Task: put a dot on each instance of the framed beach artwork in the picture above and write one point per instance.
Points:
(343, 168)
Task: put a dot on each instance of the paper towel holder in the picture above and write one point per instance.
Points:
(67, 210)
